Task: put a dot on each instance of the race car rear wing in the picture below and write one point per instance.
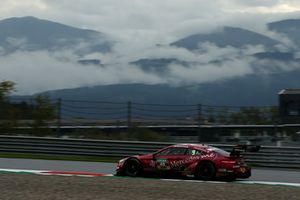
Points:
(236, 150)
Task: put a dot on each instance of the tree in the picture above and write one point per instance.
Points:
(223, 115)
(7, 113)
(273, 115)
(43, 111)
(6, 87)
(40, 111)
(210, 115)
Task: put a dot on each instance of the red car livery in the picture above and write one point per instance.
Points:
(201, 161)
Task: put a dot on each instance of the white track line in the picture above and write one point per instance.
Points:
(23, 171)
(242, 182)
(48, 173)
(269, 183)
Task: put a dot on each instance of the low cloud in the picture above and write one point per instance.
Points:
(16, 42)
(40, 71)
(43, 70)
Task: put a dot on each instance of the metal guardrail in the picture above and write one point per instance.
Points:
(268, 156)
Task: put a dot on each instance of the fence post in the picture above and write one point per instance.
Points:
(129, 113)
(58, 128)
(199, 122)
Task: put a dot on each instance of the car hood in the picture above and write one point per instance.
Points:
(144, 157)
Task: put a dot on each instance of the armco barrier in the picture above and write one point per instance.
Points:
(268, 156)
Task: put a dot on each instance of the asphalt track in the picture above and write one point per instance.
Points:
(258, 174)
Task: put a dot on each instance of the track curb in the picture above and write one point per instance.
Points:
(59, 173)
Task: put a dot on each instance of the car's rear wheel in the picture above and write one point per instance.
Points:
(205, 171)
(133, 167)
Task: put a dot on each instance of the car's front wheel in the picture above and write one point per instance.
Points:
(133, 167)
(205, 171)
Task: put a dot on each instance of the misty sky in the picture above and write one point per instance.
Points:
(162, 20)
(140, 25)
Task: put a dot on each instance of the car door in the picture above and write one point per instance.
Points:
(193, 156)
(170, 159)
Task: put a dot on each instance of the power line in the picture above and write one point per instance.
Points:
(166, 105)
(162, 110)
(94, 102)
(92, 107)
(162, 115)
(91, 113)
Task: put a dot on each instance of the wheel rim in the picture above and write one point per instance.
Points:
(206, 171)
(132, 168)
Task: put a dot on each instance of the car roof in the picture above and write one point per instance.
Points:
(193, 146)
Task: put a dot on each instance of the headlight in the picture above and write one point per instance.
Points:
(122, 160)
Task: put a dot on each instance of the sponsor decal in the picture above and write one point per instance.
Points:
(179, 163)
(209, 155)
(191, 159)
(243, 169)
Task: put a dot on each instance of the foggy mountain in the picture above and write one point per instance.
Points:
(230, 66)
(33, 34)
(228, 36)
(289, 28)
(250, 90)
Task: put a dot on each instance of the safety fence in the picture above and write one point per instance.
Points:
(268, 156)
(129, 112)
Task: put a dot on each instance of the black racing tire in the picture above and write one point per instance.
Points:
(133, 167)
(205, 171)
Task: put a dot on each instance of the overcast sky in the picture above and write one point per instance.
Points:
(141, 24)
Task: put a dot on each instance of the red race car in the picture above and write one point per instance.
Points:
(201, 161)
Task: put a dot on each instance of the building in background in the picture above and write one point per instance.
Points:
(289, 106)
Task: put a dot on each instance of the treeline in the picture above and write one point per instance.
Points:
(242, 115)
(34, 114)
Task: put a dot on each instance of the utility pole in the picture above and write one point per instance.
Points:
(199, 122)
(58, 130)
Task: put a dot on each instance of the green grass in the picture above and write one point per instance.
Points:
(60, 157)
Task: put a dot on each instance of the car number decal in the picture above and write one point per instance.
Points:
(162, 164)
